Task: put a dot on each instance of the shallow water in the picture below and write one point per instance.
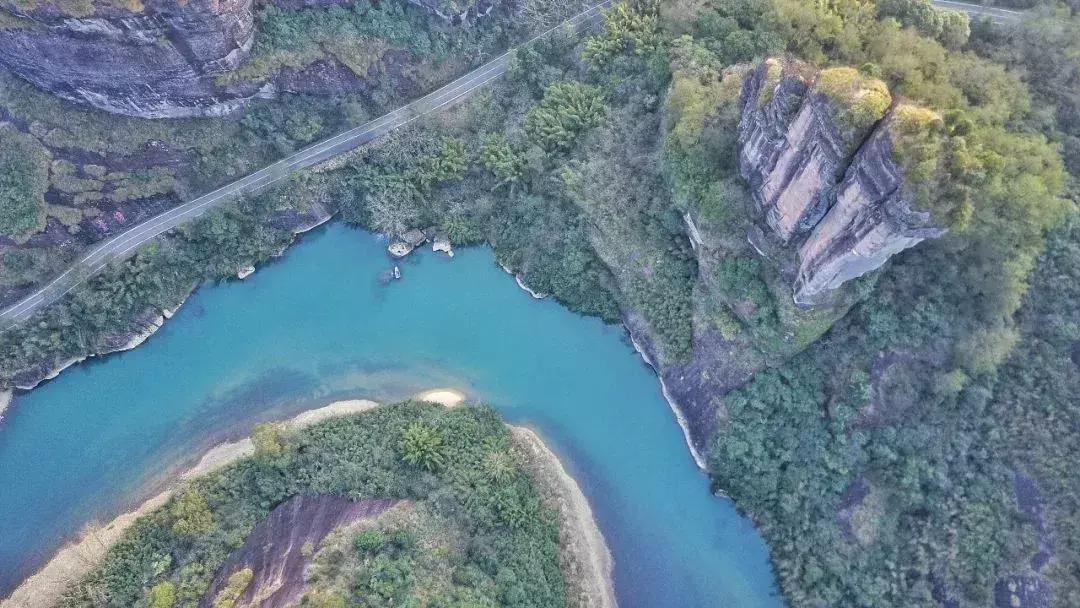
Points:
(316, 326)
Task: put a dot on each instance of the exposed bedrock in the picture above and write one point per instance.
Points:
(160, 62)
(161, 59)
(870, 221)
(790, 149)
(275, 550)
(817, 151)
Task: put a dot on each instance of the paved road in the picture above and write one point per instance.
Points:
(999, 15)
(126, 243)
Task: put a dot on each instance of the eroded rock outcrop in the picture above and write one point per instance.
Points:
(157, 60)
(797, 130)
(871, 220)
(818, 152)
(280, 548)
(161, 58)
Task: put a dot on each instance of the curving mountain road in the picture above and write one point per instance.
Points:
(126, 243)
(999, 15)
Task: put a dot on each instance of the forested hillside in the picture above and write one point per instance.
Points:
(907, 441)
(451, 514)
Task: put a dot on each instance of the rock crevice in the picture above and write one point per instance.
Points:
(816, 150)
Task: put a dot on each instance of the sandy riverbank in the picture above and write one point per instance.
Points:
(443, 396)
(79, 557)
(586, 558)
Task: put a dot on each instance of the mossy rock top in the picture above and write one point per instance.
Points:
(775, 70)
(861, 100)
(911, 119)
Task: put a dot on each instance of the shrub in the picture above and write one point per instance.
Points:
(24, 176)
(192, 515)
(422, 446)
(567, 110)
(163, 595)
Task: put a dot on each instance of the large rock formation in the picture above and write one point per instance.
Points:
(871, 220)
(817, 150)
(280, 548)
(161, 59)
(157, 62)
(790, 150)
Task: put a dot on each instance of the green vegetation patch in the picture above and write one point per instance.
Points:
(774, 70)
(949, 27)
(858, 101)
(24, 177)
(477, 533)
(358, 35)
(567, 110)
(295, 39)
(632, 27)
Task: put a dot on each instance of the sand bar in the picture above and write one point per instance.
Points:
(443, 396)
(583, 552)
(76, 559)
(585, 557)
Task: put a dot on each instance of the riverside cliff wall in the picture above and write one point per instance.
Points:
(817, 152)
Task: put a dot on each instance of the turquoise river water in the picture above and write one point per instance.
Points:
(316, 326)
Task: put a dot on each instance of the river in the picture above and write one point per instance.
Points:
(316, 326)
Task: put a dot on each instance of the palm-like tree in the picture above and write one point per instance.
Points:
(422, 446)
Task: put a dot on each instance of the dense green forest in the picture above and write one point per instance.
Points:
(878, 440)
(476, 532)
(390, 53)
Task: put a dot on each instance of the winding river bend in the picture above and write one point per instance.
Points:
(316, 326)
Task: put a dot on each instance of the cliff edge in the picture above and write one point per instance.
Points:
(818, 150)
(153, 60)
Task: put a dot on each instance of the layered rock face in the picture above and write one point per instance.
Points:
(157, 63)
(816, 150)
(790, 148)
(274, 551)
(870, 221)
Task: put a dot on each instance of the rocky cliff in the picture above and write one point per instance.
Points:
(871, 220)
(161, 59)
(157, 60)
(789, 149)
(817, 151)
